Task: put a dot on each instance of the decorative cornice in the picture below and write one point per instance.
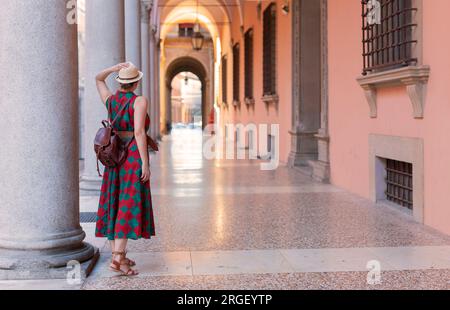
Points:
(154, 29)
(413, 77)
(249, 101)
(146, 7)
(271, 99)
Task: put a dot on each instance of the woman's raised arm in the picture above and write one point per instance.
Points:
(100, 79)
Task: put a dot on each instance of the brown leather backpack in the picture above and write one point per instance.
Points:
(110, 149)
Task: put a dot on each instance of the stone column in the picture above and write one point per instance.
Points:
(157, 88)
(105, 47)
(321, 167)
(133, 34)
(144, 24)
(152, 82)
(306, 96)
(168, 110)
(154, 78)
(39, 197)
(154, 71)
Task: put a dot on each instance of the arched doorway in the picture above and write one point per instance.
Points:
(186, 101)
(176, 67)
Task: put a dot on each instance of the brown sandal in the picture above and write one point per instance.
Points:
(130, 262)
(115, 266)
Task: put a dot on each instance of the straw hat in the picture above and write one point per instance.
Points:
(129, 75)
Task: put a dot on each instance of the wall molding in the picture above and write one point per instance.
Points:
(414, 78)
(271, 99)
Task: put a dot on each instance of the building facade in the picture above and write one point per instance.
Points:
(359, 91)
(391, 122)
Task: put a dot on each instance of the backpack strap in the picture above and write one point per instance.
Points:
(115, 119)
(122, 109)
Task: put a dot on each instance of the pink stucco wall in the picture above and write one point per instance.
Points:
(349, 121)
(259, 114)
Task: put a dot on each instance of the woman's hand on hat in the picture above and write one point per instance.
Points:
(120, 66)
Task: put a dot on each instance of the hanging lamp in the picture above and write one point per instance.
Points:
(197, 37)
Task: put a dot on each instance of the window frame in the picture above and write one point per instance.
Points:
(224, 79)
(236, 73)
(249, 65)
(270, 50)
(392, 43)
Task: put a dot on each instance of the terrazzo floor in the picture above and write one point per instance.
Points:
(229, 225)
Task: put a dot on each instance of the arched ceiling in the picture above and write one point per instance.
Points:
(213, 14)
(220, 9)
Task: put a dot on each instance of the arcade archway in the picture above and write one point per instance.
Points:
(194, 66)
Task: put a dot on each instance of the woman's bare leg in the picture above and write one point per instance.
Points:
(120, 247)
(112, 243)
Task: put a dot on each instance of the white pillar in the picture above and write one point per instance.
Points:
(153, 87)
(144, 24)
(39, 196)
(154, 70)
(133, 34)
(105, 47)
(158, 89)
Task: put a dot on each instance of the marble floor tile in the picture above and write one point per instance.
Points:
(239, 262)
(150, 264)
(45, 285)
(329, 260)
(414, 258)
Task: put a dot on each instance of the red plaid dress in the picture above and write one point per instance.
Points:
(125, 206)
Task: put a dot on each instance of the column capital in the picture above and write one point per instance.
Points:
(146, 7)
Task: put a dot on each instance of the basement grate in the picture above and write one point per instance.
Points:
(399, 183)
(88, 217)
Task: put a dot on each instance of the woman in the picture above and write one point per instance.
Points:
(125, 207)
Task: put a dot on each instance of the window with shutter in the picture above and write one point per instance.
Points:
(224, 79)
(269, 50)
(248, 64)
(236, 73)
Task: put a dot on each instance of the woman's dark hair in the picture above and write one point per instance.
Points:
(127, 86)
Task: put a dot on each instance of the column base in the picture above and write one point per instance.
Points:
(303, 148)
(31, 265)
(320, 171)
(300, 159)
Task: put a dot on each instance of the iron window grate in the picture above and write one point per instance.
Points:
(236, 72)
(399, 183)
(224, 79)
(269, 49)
(387, 29)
